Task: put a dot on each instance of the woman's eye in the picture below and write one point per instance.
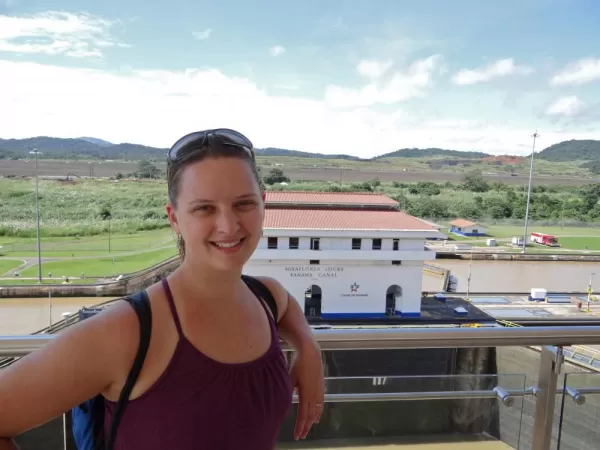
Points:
(246, 205)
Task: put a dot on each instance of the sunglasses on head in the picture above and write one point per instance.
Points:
(198, 140)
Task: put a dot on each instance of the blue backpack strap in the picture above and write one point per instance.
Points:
(141, 303)
(262, 292)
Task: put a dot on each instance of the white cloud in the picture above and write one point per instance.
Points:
(276, 50)
(500, 68)
(579, 72)
(157, 107)
(565, 106)
(398, 87)
(373, 69)
(201, 35)
(55, 33)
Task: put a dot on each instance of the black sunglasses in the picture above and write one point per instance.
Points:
(200, 139)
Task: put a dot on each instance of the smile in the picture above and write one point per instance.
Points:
(228, 245)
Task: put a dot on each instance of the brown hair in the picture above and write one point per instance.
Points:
(213, 149)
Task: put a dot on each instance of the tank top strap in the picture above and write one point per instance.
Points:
(169, 295)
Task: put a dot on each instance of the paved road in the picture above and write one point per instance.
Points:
(111, 168)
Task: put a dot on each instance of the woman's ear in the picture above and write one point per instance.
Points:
(172, 218)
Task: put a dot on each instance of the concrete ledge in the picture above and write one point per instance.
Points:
(435, 442)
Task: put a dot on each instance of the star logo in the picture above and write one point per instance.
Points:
(354, 287)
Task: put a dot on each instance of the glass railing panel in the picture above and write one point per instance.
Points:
(50, 436)
(580, 407)
(417, 410)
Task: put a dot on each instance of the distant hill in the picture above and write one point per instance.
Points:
(430, 153)
(573, 150)
(270, 151)
(93, 148)
(100, 142)
(58, 148)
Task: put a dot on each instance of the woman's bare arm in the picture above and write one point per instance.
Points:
(293, 326)
(76, 365)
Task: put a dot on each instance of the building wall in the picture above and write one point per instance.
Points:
(345, 243)
(474, 230)
(348, 289)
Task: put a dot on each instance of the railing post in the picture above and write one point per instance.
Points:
(550, 364)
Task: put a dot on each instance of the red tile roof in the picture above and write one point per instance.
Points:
(462, 223)
(342, 219)
(326, 198)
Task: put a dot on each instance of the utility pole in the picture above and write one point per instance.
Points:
(590, 291)
(534, 136)
(37, 211)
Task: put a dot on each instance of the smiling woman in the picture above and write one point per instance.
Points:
(214, 374)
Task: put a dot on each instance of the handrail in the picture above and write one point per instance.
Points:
(396, 338)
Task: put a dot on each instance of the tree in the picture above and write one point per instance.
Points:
(145, 169)
(276, 175)
(473, 181)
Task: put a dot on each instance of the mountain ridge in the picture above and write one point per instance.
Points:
(94, 148)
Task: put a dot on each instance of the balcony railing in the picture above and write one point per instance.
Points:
(472, 396)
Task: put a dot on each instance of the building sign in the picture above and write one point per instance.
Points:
(354, 291)
(314, 271)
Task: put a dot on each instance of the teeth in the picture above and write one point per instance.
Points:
(227, 244)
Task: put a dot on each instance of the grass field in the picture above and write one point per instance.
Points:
(8, 264)
(101, 267)
(88, 255)
(572, 238)
(88, 245)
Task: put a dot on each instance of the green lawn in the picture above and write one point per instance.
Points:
(102, 267)
(89, 245)
(8, 264)
(572, 238)
(509, 231)
(20, 282)
(580, 243)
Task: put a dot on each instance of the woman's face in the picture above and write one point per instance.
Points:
(219, 213)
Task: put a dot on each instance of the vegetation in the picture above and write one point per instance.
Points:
(92, 207)
(585, 151)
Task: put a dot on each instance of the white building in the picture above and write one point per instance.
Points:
(467, 228)
(344, 255)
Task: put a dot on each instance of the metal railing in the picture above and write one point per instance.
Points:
(551, 339)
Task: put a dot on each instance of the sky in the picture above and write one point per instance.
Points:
(331, 76)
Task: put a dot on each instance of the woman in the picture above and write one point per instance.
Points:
(214, 376)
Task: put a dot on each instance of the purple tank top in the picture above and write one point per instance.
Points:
(199, 403)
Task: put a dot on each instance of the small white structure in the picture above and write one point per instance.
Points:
(344, 255)
(538, 294)
(464, 227)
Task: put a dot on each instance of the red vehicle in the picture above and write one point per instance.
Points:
(544, 239)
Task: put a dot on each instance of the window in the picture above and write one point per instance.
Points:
(396, 263)
(356, 244)
(377, 244)
(314, 243)
(272, 242)
(315, 262)
(294, 243)
(396, 243)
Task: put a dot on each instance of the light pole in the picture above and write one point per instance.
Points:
(589, 297)
(37, 212)
(534, 136)
(469, 276)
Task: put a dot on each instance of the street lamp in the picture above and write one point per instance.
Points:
(37, 211)
(534, 136)
(590, 290)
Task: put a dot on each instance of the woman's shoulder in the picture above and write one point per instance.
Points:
(279, 292)
(78, 363)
